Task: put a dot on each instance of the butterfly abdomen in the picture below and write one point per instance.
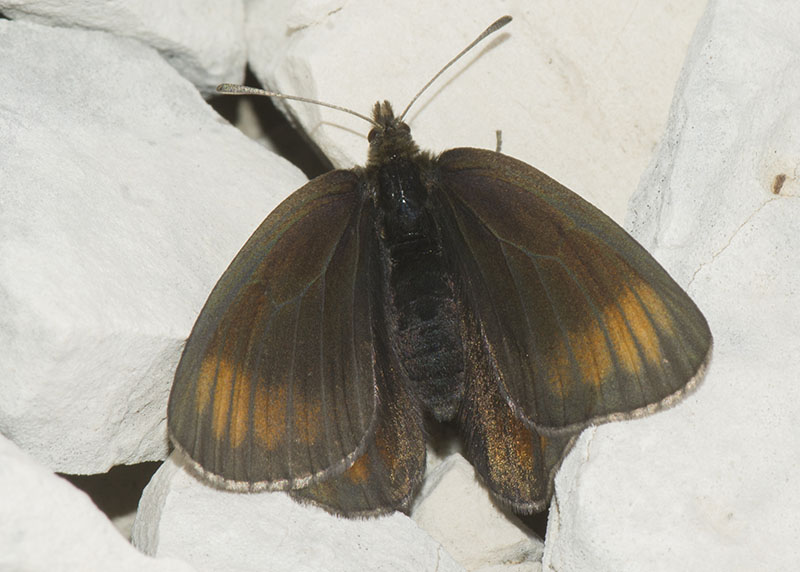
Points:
(419, 292)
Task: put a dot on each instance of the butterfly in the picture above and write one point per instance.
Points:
(468, 287)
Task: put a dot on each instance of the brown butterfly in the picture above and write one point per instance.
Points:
(468, 286)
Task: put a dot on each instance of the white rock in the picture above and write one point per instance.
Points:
(47, 524)
(124, 197)
(203, 40)
(456, 510)
(580, 90)
(745, 132)
(713, 484)
(220, 530)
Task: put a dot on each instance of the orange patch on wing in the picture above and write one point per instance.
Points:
(641, 326)
(629, 323)
(222, 398)
(358, 473)
(269, 416)
(205, 383)
(591, 352)
(240, 412)
(655, 307)
(620, 334)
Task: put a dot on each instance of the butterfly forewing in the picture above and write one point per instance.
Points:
(387, 473)
(389, 470)
(582, 323)
(276, 385)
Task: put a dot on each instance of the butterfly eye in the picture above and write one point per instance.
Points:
(372, 135)
(404, 128)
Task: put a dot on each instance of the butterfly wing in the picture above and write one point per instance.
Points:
(580, 322)
(389, 471)
(514, 461)
(391, 466)
(276, 385)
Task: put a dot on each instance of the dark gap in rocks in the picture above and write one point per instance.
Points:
(117, 492)
(443, 438)
(261, 120)
(536, 522)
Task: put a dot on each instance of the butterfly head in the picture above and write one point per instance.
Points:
(390, 138)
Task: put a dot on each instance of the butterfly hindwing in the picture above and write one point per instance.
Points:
(276, 384)
(389, 471)
(582, 324)
(514, 461)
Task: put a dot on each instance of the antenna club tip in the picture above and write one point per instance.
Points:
(499, 23)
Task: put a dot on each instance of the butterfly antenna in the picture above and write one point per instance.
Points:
(487, 32)
(234, 89)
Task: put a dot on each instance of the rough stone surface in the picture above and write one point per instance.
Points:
(456, 510)
(580, 90)
(203, 39)
(220, 530)
(714, 483)
(123, 198)
(47, 524)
